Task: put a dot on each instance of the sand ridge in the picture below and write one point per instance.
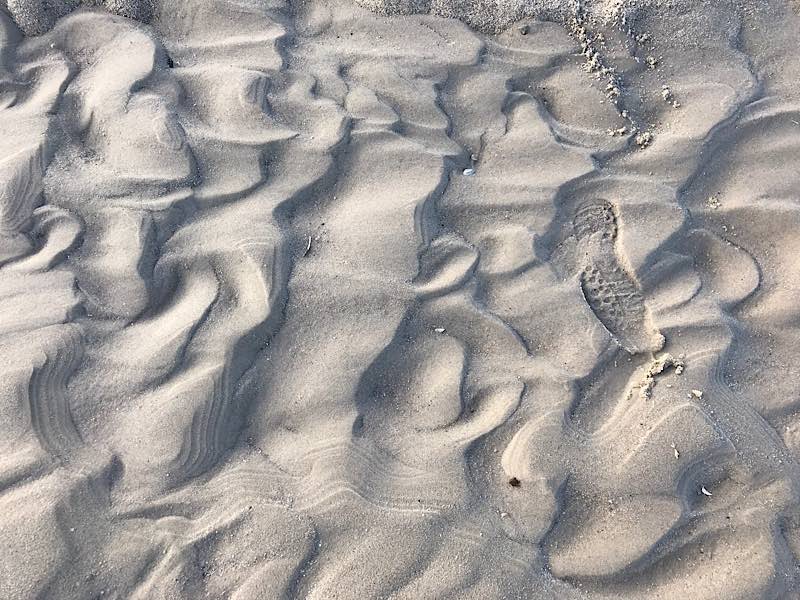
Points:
(305, 300)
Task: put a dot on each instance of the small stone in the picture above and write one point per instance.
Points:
(469, 172)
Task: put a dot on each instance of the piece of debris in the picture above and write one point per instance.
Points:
(523, 29)
(439, 329)
(308, 246)
(697, 394)
(675, 451)
(713, 202)
(616, 132)
(503, 515)
(469, 172)
(514, 482)
(705, 491)
(651, 61)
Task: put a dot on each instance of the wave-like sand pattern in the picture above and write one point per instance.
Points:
(298, 300)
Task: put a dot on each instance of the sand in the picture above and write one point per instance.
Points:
(399, 299)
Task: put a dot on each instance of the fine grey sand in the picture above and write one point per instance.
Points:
(409, 299)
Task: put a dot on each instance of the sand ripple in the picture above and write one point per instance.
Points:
(308, 302)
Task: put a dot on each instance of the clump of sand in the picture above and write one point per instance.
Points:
(35, 17)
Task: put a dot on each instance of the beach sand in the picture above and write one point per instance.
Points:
(403, 299)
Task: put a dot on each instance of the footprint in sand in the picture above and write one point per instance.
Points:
(609, 289)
